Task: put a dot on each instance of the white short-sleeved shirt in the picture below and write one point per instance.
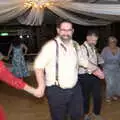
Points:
(68, 71)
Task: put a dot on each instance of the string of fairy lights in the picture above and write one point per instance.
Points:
(43, 3)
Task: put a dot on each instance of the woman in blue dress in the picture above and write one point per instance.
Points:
(111, 66)
(20, 69)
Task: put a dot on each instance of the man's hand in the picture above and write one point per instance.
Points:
(41, 83)
(39, 92)
(99, 73)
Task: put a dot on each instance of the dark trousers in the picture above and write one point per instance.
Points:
(91, 85)
(64, 102)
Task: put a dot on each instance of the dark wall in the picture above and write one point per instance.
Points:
(48, 31)
(116, 31)
(5, 43)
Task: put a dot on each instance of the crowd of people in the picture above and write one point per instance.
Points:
(70, 74)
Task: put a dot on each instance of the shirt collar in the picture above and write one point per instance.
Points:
(88, 46)
(60, 42)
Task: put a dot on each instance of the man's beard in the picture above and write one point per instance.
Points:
(92, 44)
(66, 39)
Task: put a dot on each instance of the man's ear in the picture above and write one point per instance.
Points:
(73, 31)
(58, 30)
(87, 37)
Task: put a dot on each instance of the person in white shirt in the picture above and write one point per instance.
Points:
(90, 76)
(56, 68)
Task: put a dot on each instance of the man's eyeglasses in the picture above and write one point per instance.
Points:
(66, 30)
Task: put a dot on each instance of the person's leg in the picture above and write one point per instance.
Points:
(97, 97)
(58, 100)
(23, 68)
(109, 90)
(116, 84)
(109, 78)
(85, 82)
(76, 104)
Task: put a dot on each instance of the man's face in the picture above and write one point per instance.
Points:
(92, 39)
(65, 31)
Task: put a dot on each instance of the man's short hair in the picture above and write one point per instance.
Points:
(60, 21)
(93, 32)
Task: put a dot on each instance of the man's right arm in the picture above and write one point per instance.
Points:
(41, 61)
(41, 82)
(86, 64)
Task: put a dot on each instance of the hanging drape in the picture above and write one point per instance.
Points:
(96, 14)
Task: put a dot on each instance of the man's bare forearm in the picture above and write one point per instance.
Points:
(41, 82)
(40, 77)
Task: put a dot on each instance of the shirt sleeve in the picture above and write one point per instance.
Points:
(104, 55)
(104, 52)
(7, 77)
(100, 59)
(84, 60)
(45, 55)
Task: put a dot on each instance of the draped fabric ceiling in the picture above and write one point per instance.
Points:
(31, 12)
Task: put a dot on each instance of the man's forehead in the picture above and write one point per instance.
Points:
(93, 36)
(66, 25)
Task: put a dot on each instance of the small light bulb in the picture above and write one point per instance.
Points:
(35, 5)
(21, 36)
(47, 4)
(28, 36)
(41, 6)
